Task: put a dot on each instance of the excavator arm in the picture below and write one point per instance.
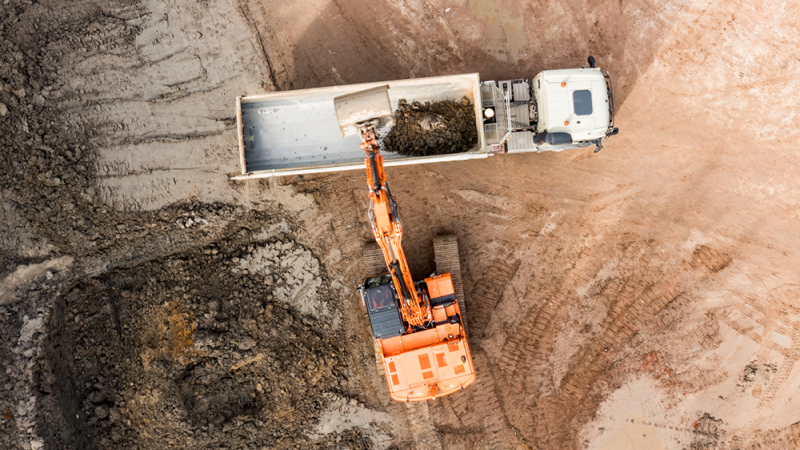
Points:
(388, 232)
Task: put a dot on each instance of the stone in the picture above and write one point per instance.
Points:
(101, 412)
(247, 343)
(97, 397)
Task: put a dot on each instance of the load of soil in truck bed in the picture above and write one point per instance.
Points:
(437, 128)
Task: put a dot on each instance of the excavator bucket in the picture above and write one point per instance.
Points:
(363, 106)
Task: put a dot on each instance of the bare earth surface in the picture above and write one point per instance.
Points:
(645, 297)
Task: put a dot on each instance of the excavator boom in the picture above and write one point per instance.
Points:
(388, 233)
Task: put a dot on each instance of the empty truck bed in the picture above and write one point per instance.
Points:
(296, 132)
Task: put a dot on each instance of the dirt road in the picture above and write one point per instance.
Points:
(642, 297)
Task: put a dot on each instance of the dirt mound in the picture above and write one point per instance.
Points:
(437, 128)
(172, 349)
(196, 351)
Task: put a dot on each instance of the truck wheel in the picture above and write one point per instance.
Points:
(445, 254)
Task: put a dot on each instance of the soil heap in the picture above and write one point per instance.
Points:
(192, 351)
(437, 128)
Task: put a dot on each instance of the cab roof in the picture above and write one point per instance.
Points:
(564, 96)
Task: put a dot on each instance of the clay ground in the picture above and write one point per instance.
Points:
(645, 297)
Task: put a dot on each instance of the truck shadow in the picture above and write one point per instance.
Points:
(324, 43)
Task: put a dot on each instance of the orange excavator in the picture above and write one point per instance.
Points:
(419, 327)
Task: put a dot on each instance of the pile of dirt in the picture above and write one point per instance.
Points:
(46, 170)
(436, 128)
(195, 351)
(176, 328)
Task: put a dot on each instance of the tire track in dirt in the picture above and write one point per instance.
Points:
(247, 15)
(786, 438)
(764, 321)
(479, 411)
(488, 292)
(777, 314)
(631, 315)
(527, 346)
(637, 301)
(421, 427)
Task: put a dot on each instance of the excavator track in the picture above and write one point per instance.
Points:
(374, 264)
(421, 426)
(445, 254)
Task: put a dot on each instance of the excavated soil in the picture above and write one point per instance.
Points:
(642, 297)
(196, 325)
(432, 128)
(196, 350)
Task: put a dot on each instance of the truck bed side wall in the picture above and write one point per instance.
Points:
(296, 132)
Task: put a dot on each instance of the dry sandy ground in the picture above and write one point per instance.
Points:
(645, 297)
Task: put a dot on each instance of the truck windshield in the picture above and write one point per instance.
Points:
(583, 102)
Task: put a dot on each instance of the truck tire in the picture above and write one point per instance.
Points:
(445, 254)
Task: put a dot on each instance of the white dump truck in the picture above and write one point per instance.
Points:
(297, 132)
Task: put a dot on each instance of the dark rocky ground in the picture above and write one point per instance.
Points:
(195, 352)
(438, 128)
(149, 335)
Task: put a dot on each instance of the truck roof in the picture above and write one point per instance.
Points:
(576, 96)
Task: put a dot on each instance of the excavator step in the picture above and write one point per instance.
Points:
(445, 254)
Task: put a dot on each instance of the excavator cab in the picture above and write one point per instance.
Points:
(383, 310)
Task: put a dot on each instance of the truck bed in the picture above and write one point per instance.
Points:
(296, 132)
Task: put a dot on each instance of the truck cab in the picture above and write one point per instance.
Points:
(576, 102)
(557, 110)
